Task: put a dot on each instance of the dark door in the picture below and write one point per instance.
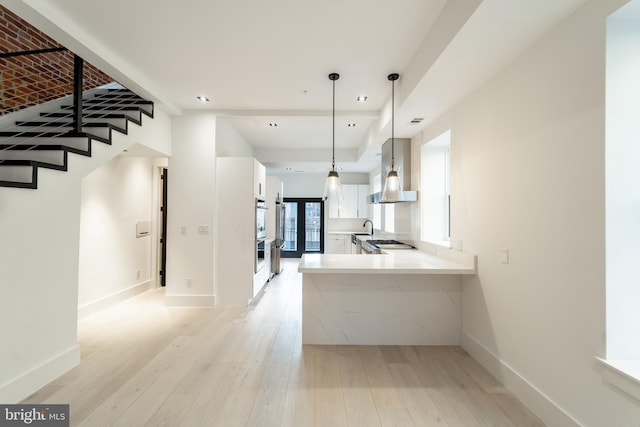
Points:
(163, 218)
(304, 226)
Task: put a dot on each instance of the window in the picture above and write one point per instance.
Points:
(622, 199)
(434, 192)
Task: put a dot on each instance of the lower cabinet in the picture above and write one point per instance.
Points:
(337, 244)
(262, 276)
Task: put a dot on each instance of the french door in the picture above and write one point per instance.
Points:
(303, 226)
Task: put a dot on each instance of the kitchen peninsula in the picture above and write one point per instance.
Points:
(393, 298)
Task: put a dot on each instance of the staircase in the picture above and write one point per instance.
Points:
(47, 140)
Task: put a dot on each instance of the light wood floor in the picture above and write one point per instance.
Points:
(144, 364)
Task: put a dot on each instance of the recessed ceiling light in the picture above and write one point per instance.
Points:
(273, 125)
(362, 98)
(203, 98)
(351, 125)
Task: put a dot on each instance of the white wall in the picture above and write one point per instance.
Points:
(38, 306)
(191, 195)
(528, 176)
(235, 231)
(113, 261)
(229, 143)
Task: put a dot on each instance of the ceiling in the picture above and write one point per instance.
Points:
(262, 62)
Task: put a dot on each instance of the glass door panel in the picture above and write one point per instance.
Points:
(304, 226)
(290, 227)
(312, 226)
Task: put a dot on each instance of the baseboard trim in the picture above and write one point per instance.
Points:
(539, 403)
(31, 381)
(111, 300)
(189, 300)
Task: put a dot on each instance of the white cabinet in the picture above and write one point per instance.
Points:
(262, 276)
(363, 202)
(354, 203)
(337, 244)
(349, 205)
(259, 179)
(334, 208)
(235, 228)
(356, 248)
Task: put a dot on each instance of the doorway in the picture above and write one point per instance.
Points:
(162, 227)
(303, 226)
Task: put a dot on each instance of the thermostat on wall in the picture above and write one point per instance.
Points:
(143, 228)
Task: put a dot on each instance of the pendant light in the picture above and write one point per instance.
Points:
(332, 187)
(392, 191)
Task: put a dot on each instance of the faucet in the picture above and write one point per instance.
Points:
(370, 222)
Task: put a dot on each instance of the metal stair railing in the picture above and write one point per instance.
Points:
(108, 110)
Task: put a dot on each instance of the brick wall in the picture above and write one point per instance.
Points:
(34, 79)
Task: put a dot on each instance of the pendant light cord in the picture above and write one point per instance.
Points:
(333, 77)
(333, 146)
(393, 85)
(393, 77)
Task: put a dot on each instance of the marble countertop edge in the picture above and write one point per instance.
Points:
(397, 262)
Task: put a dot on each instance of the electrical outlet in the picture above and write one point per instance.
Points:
(138, 274)
(203, 229)
(189, 283)
(183, 229)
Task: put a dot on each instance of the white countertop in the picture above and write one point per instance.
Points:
(391, 262)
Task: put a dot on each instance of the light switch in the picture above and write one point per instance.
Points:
(504, 256)
(183, 230)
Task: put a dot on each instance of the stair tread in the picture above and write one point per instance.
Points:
(87, 111)
(106, 107)
(36, 147)
(34, 163)
(61, 124)
(112, 99)
(96, 116)
(50, 135)
(29, 134)
(16, 162)
(90, 115)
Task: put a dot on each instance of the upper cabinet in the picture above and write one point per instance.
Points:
(363, 204)
(259, 180)
(354, 203)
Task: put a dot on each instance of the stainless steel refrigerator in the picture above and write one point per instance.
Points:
(278, 243)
